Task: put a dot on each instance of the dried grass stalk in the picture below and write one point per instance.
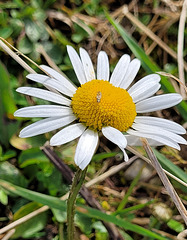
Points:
(171, 191)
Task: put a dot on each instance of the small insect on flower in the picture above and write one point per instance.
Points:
(99, 95)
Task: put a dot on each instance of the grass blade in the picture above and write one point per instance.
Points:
(54, 202)
(168, 165)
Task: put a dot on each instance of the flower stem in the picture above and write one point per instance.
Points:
(76, 185)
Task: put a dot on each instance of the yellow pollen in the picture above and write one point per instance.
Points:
(98, 104)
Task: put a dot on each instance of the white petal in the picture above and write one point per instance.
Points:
(158, 131)
(63, 80)
(120, 70)
(67, 134)
(160, 122)
(158, 102)
(144, 91)
(44, 94)
(103, 71)
(132, 70)
(52, 83)
(116, 137)
(43, 111)
(87, 65)
(149, 78)
(46, 125)
(135, 141)
(86, 148)
(77, 64)
(126, 158)
(162, 139)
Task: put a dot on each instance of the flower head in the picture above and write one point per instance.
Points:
(101, 103)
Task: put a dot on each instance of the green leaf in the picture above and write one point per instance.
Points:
(176, 226)
(25, 45)
(31, 156)
(11, 174)
(52, 202)
(3, 17)
(51, 181)
(44, 35)
(17, 26)
(59, 215)
(33, 225)
(147, 62)
(32, 30)
(19, 3)
(126, 236)
(6, 97)
(100, 156)
(1, 151)
(47, 3)
(40, 15)
(99, 227)
(36, 3)
(100, 231)
(8, 5)
(80, 209)
(84, 223)
(7, 107)
(3, 197)
(7, 155)
(54, 52)
(6, 32)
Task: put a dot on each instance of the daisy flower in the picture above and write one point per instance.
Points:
(102, 103)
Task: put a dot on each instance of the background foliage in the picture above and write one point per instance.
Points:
(133, 198)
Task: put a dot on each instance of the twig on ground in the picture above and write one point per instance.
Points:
(182, 235)
(7, 48)
(15, 56)
(171, 191)
(9, 234)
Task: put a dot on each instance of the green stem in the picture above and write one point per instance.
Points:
(76, 185)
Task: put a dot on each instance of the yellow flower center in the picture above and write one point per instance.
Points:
(98, 104)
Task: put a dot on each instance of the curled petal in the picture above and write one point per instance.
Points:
(116, 137)
(86, 148)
